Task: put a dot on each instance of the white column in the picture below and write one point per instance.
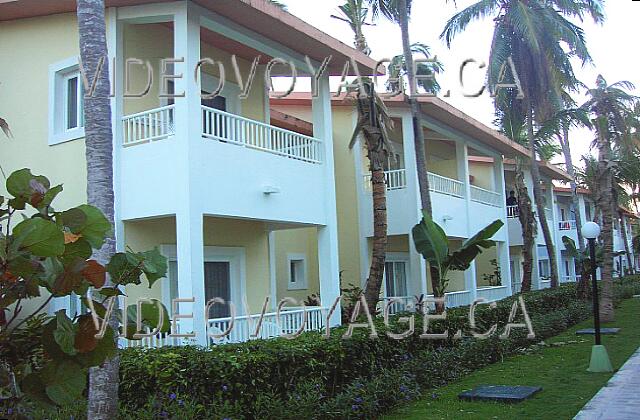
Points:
(504, 259)
(418, 264)
(553, 225)
(328, 255)
(115, 43)
(272, 269)
(462, 159)
(189, 216)
(470, 282)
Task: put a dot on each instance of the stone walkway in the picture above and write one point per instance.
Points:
(619, 399)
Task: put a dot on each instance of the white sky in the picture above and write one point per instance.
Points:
(613, 47)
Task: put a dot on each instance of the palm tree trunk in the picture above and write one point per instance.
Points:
(378, 256)
(582, 286)
(623, 229)
(103, 380)
(604, 203)
(529, 227)
(539, 199)
(421, 162)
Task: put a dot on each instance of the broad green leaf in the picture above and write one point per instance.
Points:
(80, 249)
(96, 227)
(154, 266)
(53, 268)
(150, 317)
(40, 237)
(71, 278)
(64, 381)
(23, 184)
(462, 258)
(65, 333)
(431, 241)
(124, 270)
(74, 219)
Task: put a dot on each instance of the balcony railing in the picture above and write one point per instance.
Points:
(493, 293)
(408, 303)
(290, 321)
(483, 196)
(158, 124)
(395, 179)
(230, 128)
(147, 126)
(513, 212)
(443, 185)
(567, 225)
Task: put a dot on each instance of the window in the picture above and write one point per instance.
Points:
(66, 111)
(395, 274)
(297, 272)
(544, 270)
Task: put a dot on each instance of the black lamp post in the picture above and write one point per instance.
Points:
(599, 357)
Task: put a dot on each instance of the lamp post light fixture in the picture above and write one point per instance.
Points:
(599, 357)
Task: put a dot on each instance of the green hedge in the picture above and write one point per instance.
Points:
(314, 377)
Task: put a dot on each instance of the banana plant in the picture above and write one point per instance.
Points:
(432, 243)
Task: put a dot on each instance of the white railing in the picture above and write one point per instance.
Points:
(567, 225)
(545, 284)
(460, 298)
(147, 126)
(291, 320)
(444, 185)
(513, 212)
(395, 179)
(230, 128)
(483, 196)
(493, 293)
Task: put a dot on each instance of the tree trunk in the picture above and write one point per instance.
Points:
(529, 227)
(539, 199)
(582, 285)
(103, 381)
(421, 162)
(378, 256)
(604, 202)
(623, 229)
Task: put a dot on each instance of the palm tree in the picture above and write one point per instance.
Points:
(534, 34)
(610, 107)
(511, 124)
(399, 11)
(355, 14)
(398, 70)
(103, 381)
(373, 124)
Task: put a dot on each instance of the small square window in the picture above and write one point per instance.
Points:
(297, 272)
(66, 102)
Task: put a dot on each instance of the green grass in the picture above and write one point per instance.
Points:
(559, 367)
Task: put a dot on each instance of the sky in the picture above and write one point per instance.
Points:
(613, 47)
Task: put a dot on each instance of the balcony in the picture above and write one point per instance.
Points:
(448, 196)
(243, 167)
(158, 124)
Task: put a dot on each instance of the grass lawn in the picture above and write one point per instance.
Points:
(560, 368)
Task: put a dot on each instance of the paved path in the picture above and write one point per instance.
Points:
(619, 399)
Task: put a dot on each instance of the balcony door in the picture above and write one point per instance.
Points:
(395, 276)
(217, 284)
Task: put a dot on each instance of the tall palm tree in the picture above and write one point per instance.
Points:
(355, 14)
(511, 124)
(103, 381)
(534, 34)
(610, 107)
(373, 124)
(399, 11)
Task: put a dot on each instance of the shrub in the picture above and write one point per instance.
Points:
(314, 377)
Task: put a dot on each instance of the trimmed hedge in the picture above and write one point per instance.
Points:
(314, 377)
